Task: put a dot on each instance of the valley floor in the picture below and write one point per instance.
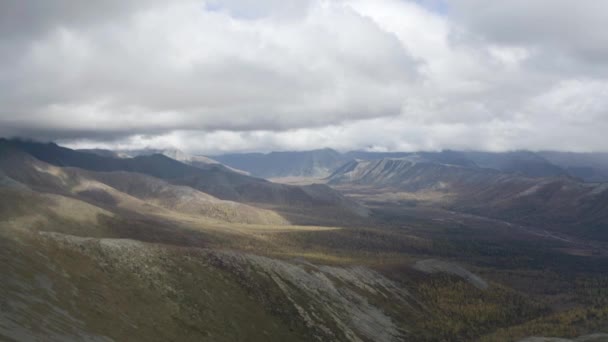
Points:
(141, 269)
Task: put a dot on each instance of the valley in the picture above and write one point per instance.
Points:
(136, 249)
(303, 170)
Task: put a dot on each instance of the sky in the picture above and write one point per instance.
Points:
(213, 76)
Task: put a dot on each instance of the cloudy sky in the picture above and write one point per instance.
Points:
(212, 76)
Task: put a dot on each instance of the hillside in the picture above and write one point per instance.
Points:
(525, 163)
(321, 163)
(73, 270)
(591, 167)
(124, 190)
(121, 255)
(214, 180)
(316, 163)
(181, 156)
(554, 203)
(413, 173)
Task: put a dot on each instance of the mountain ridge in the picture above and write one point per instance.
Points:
(532, 164)
(215, 180)
(560, 203)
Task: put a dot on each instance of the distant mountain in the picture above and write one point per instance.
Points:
(591, 167)
(105, 153)
(321, 163)
(316, 163)
(133, 192)
(212, 179)
(198, 161)
(521, 162)
(445, 157)
(554, 203)
(366, 155)
(412, 173)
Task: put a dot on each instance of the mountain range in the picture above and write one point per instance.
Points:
(158, 245)
(589, 167)
(557, 202)
(316, 163)
(213, 179)
(172, 153)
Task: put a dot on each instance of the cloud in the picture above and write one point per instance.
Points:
(561, 33)
(184, 66)
(237, 75)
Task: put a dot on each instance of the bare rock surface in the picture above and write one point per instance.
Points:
(335, 301)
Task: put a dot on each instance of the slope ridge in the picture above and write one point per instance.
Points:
(136, 192)
(214, 180)
(553, 203)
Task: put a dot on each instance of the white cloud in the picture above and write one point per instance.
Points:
(181, 66)
(225, 75)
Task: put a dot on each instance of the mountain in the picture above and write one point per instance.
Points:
(97, 248)
(89, 255)
(446, 157)
(521, 162)
(413, 173)
(555, 203)
(181, 156)
(124, 190)
(591, 167)
(116, 255)
(212, 179)
(198, 161)
(316, 163)
(104, 152)
(367, 155)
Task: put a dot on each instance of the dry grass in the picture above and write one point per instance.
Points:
(75, 210)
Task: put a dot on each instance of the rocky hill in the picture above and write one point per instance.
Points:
(557, 203)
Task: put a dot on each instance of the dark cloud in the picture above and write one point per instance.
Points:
(33, 18)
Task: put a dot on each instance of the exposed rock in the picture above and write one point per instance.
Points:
(342, 293)
(336, 302)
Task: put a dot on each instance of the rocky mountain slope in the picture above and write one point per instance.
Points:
(589, 167)
(556, 203)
